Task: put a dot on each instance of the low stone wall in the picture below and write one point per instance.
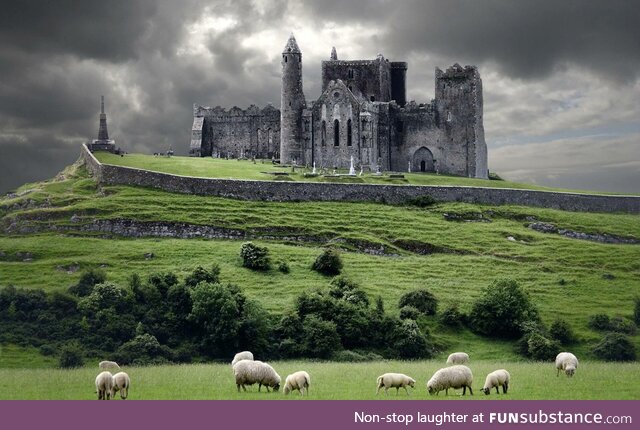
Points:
(394, 194)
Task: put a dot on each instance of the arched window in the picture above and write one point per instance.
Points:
(323, 134)
(350, 73)
(285, 58)
(373, 98)
(336, 133)
(448, 116)
(349, 132)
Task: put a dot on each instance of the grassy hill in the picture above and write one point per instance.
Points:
(44, 244)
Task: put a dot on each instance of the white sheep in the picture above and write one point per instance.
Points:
(496, 379)
(244, 355)
(104, 383)
(457, 376)
(297, 381)
(458, 358)
(249, 372)
(566, 362)
(395, 380)
(107, 365)
(121, 382)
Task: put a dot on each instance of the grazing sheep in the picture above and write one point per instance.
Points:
(249, 372)
(107, 365)
(457, 376)
(496, 379)
(395, 380)
(297, 381)
(458, 358)
(244, 355)
(104, 383)
(567, 362)
(121, 382)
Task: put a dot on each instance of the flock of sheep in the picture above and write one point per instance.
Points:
(107, 384)
(248, 371)
(459, 376)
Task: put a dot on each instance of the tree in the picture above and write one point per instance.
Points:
(255, 257)
(87, 281)
(420, 299)
(409, 341)
(615, 347)
(201, 274)
(502, 310)
(321, 337)
(71, 355)
(328, 263)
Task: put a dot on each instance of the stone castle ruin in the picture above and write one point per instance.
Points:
(362, 114)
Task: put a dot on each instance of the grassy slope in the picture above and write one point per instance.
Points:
(483, 252)
(593, 380)
(245, 169)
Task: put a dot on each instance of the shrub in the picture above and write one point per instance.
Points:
(561, 331)
(622, 325)
(542, 348)
(422, 300)
(636, 310)
(599, 322)
(615, 347)
(410, 342)
(283, 267)
(144, 350)
(502, 310)
(355, 356)
(328, 263)
(71, 355)
(201, 274)
(47, 349)
(342, 288)
(409, 312)
(255, 257)
(321, 337)
(87, 281)
(452, 317)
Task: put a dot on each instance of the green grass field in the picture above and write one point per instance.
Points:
(263, 170)
(329, 381)
(564, 277)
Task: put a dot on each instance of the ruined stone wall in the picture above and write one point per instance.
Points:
(394, 194)
(458, 98)
(369, 78)
(252, 132)
(415, 134)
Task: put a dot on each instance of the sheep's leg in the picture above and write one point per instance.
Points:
(405, 389)
(464, 389)
(397, 390)
(558, 372)
(505, 387)
(446, 391)
(470, 390)
(498, 389)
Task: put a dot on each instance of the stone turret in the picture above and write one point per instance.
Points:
(334, 54)
(292, 104)
(103, 134)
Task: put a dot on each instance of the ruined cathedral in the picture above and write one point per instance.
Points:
(361, 113)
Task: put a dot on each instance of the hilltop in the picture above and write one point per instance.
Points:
(52, 231)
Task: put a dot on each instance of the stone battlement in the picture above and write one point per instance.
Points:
(252, 110)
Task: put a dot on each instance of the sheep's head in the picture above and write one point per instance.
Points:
(412, 383)
(276, 387)
(286, 390)
(570, 371)
(431, 389)
(486, 390)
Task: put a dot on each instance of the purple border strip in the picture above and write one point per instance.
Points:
(320, 414)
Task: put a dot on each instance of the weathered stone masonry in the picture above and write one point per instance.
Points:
(394, 194)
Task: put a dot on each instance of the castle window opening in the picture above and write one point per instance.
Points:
(323, 137)
(350, 73)
(336, 133)
(373, 98)
(285, 58)
(349, 132)
(448, 116)
(399, 126)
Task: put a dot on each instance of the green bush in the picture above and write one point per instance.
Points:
(622, 325)
(452, 317)
(502, 310)
(542, 348)
(321, 337)
(328, 263)
(409, 312)
(636, 310)
(422, 300)
(561, 331)
(201, 274)
(48, 350)
(144, 350)
(87, 281)
(600, 322)
(71, 355)
(342, 288)
(349, 356)
(421, 201)
(255, 257)
(410, 342)
(615, 347)
(283, 267)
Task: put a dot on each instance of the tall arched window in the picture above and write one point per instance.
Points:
(323, 134)
(349, 132)
(336, 133)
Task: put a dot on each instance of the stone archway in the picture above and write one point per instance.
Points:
(423, 161)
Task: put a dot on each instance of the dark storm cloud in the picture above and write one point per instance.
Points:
(525, 38)
(106, 30)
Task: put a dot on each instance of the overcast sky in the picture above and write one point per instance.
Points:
(561, 78)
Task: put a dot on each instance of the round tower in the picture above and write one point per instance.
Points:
(292, 104)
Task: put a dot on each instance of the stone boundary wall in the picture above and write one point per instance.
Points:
(394, 194)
